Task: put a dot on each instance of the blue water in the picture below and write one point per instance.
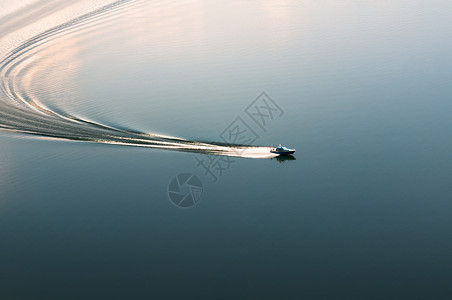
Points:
(360, 89)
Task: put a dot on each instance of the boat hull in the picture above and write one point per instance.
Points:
(284, 152)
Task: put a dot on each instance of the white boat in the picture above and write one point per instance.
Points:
(282, 150)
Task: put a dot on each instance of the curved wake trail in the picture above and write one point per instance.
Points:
(22, 113)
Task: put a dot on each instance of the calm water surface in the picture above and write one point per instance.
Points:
(363, 212)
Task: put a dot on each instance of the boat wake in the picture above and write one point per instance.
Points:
(21, 112)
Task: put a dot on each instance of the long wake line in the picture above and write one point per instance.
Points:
(21, 113)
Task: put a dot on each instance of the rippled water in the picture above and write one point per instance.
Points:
(95, 93)
(27, 113)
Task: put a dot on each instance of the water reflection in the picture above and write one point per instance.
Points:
(283, 158)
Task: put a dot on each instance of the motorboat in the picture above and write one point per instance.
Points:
(282, 150)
